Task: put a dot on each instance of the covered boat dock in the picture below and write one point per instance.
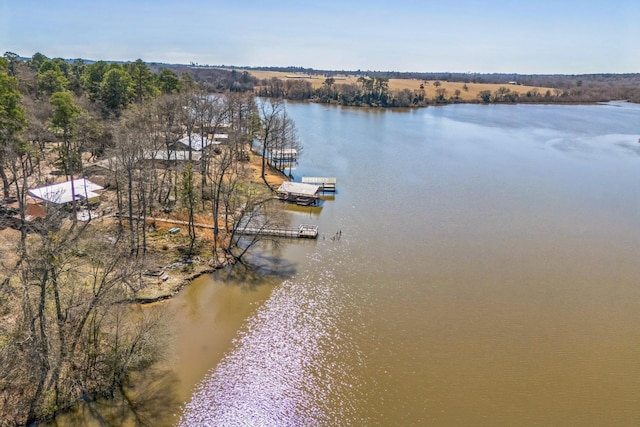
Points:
(299, 193)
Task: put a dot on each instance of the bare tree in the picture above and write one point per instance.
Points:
(269, 112)
(71, 339)
(284, 140)
(242, 113)
(218, 174)
(251, 208)
(168, 112)
(210, 112)
(127, 155)
(188, 196)
(244, 123)
(188, 119)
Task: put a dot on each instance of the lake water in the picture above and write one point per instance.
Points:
(478, 266)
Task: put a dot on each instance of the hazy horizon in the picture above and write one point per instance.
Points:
(499, 36)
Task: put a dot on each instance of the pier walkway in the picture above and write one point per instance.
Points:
(307, 231)
(304, 231)
(327, 184)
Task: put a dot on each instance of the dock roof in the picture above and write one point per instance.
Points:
(299, 188)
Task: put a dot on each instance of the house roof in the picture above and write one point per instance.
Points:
(198, 142)
(106, 164)
(65, 192)
(299, 188)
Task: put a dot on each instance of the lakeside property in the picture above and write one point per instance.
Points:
(176, 194)
(78, 245)
(164, 246)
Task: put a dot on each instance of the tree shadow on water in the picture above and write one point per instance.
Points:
(148, 401)
(257, 271)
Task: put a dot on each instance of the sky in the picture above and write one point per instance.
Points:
(481, 36)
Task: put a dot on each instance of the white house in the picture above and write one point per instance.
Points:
(66, 192)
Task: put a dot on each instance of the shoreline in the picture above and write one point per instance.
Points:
(174, 290)
(158, 290)
(463, 102)
(433, 90)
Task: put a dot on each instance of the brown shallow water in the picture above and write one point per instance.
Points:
(208, 316)
(486, 274)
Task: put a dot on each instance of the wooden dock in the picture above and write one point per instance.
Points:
(305, 231)
(284, 155)
(327, 184)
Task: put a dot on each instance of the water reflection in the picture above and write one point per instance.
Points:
(487, 276)
(310, 211)
(209, 312)
(151, 405)
(266, 265)
(286, 366)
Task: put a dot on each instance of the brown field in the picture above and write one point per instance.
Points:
(412, 84)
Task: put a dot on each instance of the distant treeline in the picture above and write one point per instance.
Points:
(556, 81)
(369, 92)
(214, 79)
(559, 88)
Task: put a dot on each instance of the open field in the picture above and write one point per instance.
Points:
(473, 89)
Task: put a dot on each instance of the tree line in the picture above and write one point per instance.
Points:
(368, 91)
(68, 333)
(587, 88)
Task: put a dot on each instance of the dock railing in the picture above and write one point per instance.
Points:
(303, 231)
(327, 184)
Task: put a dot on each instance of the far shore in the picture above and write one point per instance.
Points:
(466, 95)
